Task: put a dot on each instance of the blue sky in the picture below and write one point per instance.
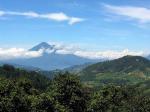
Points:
(92, 24)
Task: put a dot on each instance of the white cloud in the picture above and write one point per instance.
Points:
(56, 16)
(140, 14)
(50, 16)
(74, 20)
(13, 53)
(1, 13)
(62, 46)
(28, 14)
(109, 54)
(59, 48)
(101, 54)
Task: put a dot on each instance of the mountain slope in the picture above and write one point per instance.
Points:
(126, 70)
(148, 57)
(125, 64)
(42, 45)
(38, 80)
(77, 68)
(51, 61)
(28, 68)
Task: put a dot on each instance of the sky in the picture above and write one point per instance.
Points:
(97, 25)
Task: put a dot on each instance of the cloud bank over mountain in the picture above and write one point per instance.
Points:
(12, 53)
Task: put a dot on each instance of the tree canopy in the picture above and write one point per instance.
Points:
(24, 91)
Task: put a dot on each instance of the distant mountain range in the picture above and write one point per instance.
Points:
(148, 57)
(125, 70)
(27, 68)
(77, 68)
(52, 60)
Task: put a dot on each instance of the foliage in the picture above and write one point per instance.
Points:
(67, 90)
(119, 99)
(23, 91)
(128, 70)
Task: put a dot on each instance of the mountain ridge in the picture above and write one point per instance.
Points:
(51, 61)
(117, 65)
(125, 70)
(42, 45)
(148, 57)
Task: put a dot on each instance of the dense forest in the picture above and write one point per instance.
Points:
(26, 91)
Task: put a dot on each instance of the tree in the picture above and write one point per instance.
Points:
(8, 67)
(68, 91)
(45, 103)
(12, 98)
(119, 99)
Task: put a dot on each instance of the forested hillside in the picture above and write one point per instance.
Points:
(128, 70)
(22, 91)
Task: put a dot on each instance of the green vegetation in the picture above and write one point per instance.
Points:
(24, 91)
(128, 70)
(120, 99)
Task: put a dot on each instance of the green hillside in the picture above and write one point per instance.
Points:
(24, 91)
(125, 70)
(37, 80)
